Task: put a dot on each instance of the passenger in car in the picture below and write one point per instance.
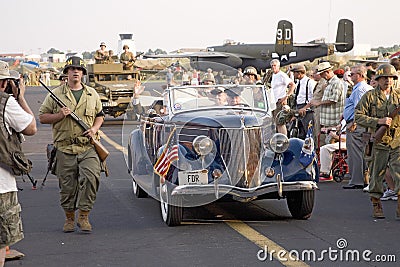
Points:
(220, 96)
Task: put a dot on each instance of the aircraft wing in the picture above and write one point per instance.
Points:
(369, 61)
(189, 55)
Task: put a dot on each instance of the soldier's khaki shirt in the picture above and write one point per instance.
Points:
(373, 106)
(127, 59)
(67, 134)
(100, 56)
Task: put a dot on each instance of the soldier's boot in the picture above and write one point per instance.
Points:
(12, 254)
(83, 221)
(398, 207)
(69, 225)
(378, 211)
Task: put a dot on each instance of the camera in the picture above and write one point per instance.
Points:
(8, 89)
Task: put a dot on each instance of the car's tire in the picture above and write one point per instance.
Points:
(129, 162)
(300, 203)
(137, 190)
(171, 207)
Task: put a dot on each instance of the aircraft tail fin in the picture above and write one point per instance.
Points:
(284, 38)
(344, 36)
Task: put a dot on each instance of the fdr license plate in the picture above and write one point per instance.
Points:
(193, 177)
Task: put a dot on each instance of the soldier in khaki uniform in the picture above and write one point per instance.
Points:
(77, 163)
(372, 112)
(101, 55)
(127, 58)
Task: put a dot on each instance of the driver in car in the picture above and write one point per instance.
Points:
(233, 96)
(220, 96)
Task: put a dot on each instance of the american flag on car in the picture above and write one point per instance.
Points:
(168, 155)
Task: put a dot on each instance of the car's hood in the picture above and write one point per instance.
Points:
(227, 118)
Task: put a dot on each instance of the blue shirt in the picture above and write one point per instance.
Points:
(351, 102)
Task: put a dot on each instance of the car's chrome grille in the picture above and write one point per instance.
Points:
(240, 149)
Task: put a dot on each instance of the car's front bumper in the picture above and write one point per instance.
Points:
(220, 190)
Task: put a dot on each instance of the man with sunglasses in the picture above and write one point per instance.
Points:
(354, 141)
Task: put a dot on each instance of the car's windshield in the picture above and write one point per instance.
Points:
(217, 96)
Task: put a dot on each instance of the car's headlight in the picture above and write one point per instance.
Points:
(202, 145)
(279, 143)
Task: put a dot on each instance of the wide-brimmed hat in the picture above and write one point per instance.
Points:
(103, 43)
(234, 91)
(299, 68)
(5, 71)
(217, 90)
(125, 46)
(14, 74)
(323, 66)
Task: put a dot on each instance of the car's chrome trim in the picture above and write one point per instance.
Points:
(242, 192)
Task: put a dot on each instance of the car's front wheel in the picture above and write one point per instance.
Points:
(171, 207)
(301, 203)
(137, 190)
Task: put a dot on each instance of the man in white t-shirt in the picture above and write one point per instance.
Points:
(282, 86)
(19, 117)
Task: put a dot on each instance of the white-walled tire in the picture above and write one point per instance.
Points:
(171, 207)
(137, 190)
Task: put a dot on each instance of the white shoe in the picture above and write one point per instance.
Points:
(389, 195)
(366, 189)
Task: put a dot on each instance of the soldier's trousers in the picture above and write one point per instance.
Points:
(79, 179)
(381, 159)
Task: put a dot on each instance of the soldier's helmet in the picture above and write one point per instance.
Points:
(75, 62)
(386, 70)
(250, 70)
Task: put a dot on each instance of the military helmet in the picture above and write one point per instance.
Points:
(76, 62)
(250, 70)
(386, 70)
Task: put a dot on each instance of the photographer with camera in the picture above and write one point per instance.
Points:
(15, 118)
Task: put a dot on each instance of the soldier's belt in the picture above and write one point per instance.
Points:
(74, 141)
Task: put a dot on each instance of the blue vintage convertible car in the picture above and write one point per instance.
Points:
(210, 143)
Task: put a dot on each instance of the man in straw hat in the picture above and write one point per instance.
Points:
(332, 102)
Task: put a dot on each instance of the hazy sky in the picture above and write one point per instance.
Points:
(33, 26)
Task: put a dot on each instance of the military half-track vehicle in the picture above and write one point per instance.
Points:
(114, 85)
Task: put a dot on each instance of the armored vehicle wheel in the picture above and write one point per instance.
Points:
(137, 190)
(301, 203)
(171, 207)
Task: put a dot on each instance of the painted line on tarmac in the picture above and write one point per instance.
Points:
(264, 242)
(260, 240)
(239, 226)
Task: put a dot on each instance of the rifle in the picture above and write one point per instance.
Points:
(100, 149)
(377, 137)
(51, 156)
(33, 181)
